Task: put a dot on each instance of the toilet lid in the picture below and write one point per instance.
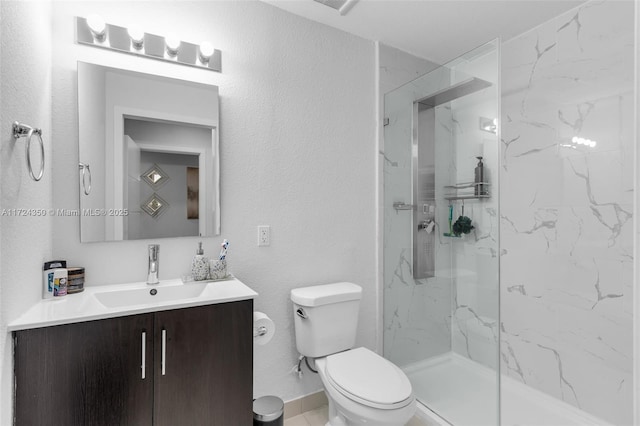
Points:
(366, 377)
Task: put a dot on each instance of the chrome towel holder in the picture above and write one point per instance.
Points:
(20, 130)
(86, 171)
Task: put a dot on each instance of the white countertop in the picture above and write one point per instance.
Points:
(135, 299)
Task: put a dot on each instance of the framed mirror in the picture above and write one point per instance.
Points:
(149, 156)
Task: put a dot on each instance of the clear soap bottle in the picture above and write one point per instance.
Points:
(479, 178)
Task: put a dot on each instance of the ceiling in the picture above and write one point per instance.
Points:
(438, 30)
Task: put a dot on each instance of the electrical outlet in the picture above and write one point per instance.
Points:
(264, 235)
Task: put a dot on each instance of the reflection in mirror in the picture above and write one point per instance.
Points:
(152, 144)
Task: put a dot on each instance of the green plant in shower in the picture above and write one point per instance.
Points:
(462, 226)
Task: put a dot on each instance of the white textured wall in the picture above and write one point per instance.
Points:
(25, 88)
(298, 151)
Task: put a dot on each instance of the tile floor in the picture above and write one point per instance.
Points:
(319, 417)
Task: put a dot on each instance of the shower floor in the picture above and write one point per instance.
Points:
(464, 393)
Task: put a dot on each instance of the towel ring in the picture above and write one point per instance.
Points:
(20, 130)
(85, 171)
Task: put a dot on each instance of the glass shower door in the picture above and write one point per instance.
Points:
(441, 254)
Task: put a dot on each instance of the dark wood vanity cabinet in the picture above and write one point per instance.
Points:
(83, 374)
(208, 369)
(198, 369)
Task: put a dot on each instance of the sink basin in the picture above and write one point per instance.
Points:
(149, 294)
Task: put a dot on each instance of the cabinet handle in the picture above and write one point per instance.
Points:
(144, 355)
(164, 351)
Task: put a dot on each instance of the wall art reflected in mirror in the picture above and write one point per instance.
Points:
(152, 146)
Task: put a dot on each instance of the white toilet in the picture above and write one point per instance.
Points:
(362, 387)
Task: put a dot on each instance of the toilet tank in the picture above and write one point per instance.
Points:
(326, 318)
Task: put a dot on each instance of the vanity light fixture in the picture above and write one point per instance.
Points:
(137, 37)
(205, 51)
(93, 31)
(173, 45)
(97, 27)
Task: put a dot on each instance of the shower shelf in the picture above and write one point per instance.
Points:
(466, 197)
(467, 185)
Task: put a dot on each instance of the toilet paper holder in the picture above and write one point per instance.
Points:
(263, 328)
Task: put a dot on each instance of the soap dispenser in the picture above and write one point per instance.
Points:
(200, 265)
(479, 178)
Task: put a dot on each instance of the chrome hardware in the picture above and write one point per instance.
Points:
(454, 195)
(260, 331)
(154, 264)
(20, 130)
(301, 313)
(144, 355)
(426, 225)
(117, 39)
(164, 351)
(400, 205)
(85, 171)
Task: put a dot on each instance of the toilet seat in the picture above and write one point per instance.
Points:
(365, 377)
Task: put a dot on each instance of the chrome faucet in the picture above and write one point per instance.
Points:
(154, 264)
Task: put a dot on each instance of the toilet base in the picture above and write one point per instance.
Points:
(345, 412)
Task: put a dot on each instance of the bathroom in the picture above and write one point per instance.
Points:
(302, 151)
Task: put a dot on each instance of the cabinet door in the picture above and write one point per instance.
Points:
(85, 374)
(205, 376)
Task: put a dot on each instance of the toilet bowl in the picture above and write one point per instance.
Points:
(362, 387)
(365, 389)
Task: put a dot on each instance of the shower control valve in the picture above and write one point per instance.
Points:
(427, 225)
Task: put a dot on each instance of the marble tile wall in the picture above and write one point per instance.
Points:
(566, 237)
(417, 312)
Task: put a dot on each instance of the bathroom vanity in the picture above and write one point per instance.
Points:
(181, 361)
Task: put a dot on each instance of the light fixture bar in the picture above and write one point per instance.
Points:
(149, 46)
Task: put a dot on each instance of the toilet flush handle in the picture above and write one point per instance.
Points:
(301, 313)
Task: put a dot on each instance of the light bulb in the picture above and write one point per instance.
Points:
(173, 44)
(97, 26)
(137, 36)
(206, 51)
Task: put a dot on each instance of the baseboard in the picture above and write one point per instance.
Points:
(303, 404)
